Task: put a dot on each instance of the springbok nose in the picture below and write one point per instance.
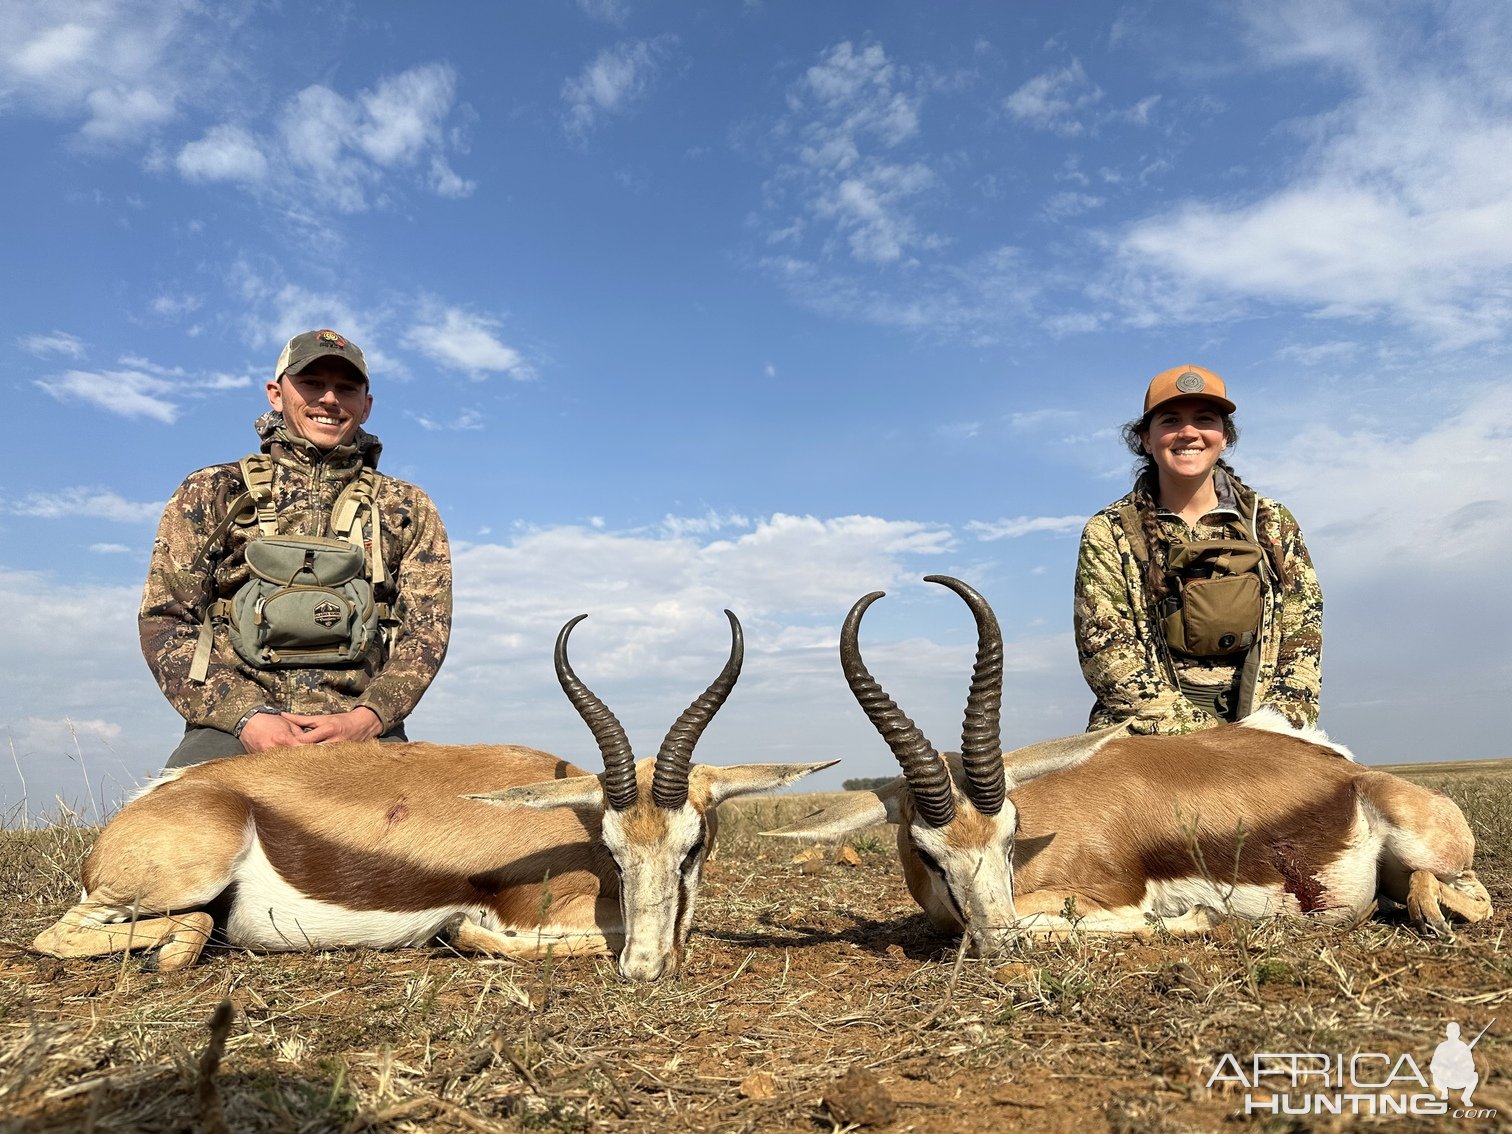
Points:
(988, 942)
(642, 966)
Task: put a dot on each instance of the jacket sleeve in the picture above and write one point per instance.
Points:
(1298, 680)
(1118, 645)
(422, 617)
(172, 602)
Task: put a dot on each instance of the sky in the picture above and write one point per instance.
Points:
(675, 307)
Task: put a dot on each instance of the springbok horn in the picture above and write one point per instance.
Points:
(928, 781)
(674, 760)
(619, 761)
(981, 738)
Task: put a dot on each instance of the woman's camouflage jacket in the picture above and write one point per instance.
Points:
(1124, 655)
(390, 678)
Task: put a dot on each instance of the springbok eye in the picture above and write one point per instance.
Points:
(930, 861)
(690, 860)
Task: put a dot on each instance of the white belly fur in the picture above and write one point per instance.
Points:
(269, 914)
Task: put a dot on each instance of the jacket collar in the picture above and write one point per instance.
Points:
(274, 435)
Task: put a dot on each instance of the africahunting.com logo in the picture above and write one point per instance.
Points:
(1360, 1082)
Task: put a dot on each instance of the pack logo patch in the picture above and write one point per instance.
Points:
(327, 613)
(331, 338)
(1190, 382)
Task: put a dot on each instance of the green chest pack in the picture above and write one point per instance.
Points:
(308, 600)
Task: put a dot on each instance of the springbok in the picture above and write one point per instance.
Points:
(1109, 832)
(389, 845)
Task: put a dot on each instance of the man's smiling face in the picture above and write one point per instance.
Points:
(324, 404)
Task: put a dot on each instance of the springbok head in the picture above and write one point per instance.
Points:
(659, 816)
(955, 820)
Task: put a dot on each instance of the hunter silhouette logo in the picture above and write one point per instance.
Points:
(327, 613)
(1453, 1067)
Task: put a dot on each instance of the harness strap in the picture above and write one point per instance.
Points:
(1134, 532)
(358, 497)
(219, 610)
(257, 475)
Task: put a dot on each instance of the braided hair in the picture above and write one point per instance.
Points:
(1147, 502)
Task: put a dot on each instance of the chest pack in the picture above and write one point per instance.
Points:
(1216, 597)
(308, 600)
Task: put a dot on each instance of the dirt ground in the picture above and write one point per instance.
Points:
(816, 998)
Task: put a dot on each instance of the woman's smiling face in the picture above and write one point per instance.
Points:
(1185, 438)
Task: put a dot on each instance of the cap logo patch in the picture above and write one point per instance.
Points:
(330, 338)
(1190, 383)
(327, 613)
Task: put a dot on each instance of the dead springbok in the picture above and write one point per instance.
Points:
(389, 845)
(1108, 832)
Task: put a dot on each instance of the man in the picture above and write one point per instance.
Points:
(298, 596)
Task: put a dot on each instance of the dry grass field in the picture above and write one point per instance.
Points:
(816, 999)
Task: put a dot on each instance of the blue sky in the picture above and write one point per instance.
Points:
(674, 307)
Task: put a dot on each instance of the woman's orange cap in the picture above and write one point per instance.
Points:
(1186, 382)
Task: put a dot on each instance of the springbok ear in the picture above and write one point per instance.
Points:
(1030, 763)
(861, 809)
(745, 779)
(575, 791)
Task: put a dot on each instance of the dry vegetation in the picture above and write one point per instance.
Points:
(816, 999)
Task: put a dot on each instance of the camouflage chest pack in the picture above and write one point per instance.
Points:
(308, 600)
(1216, 600)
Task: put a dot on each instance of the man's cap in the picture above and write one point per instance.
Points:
(1186, 382)
(304, 349)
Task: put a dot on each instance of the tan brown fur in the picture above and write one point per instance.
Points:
(1147, 808)
(365, 826)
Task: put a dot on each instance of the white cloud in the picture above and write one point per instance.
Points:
(175, 306)
(465, 341)
(95, 503)
(465, 421)
(340, 152)
(1053, 100)
(274, 310)
(140, 388)
(615, 80)
(606, 11)
(1063, 206)
(1398, 207)
(113, 549)
(403, 115)
(91, 710)
(121, 70)
(971, 300)
(58, 342)
(847, 118)
(225, 153)
(1024, 525)
(129, 393)
(1372, 500)
(124, 115)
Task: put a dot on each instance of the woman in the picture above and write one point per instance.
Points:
(1196, 601)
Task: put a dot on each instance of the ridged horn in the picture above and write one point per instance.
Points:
(619, 761)
(928, 779)
(674, 760)
(981, 735)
